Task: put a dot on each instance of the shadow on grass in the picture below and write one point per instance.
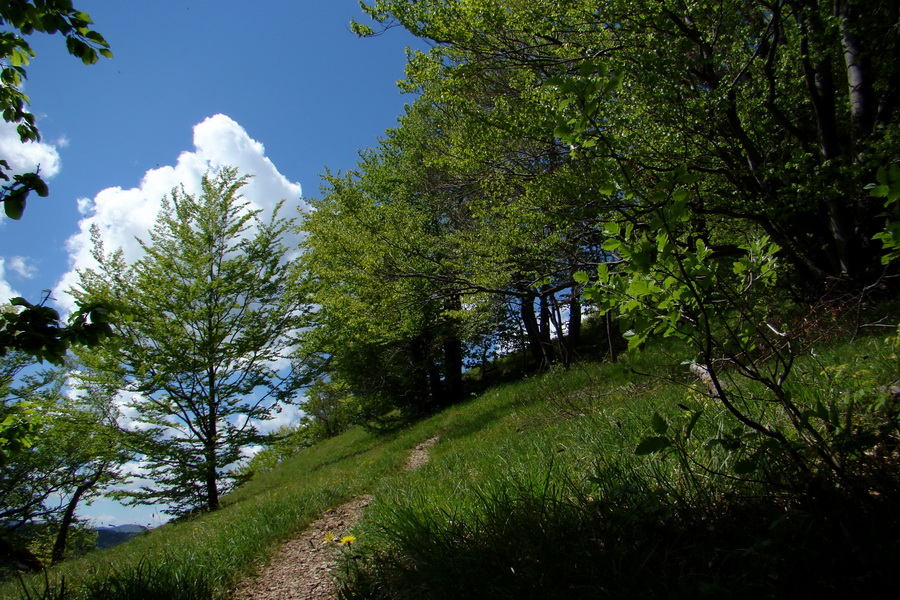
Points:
(548, 548)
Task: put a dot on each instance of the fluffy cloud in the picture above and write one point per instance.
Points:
(21, 266)
(22, 158)
(122, 215)
(28, 156)
(6, 290)
(18, 265)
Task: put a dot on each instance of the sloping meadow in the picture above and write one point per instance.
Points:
(535, 490)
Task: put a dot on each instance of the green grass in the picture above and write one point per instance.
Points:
(534, 491)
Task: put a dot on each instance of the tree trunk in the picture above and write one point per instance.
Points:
(453, 368)
(59, 547)
(611, 331)
(575, 318)
(546, 338)
(212, 480)
(532, 330)
(209, 450)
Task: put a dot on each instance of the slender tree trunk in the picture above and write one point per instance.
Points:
(453, 368)
(212, 479)
(453, 356)
(819, 75)
(59, 547)
(575, 318)
(532, 329)
(562, 348)
(547, 352)
(858, 79)
(611, 331)
(212, 475)
(420, 375)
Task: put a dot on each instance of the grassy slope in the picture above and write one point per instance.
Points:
(532, 491)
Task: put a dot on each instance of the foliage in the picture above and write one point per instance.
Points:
(37, 330)
(285, 442)
(664, 280)
(202, 353)
(536, 129)
(888, 187)
(329, 409)
(786, 108)
(73, 454)
(27, 332)
(24, 18)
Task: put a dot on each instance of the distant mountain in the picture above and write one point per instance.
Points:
(107, 537)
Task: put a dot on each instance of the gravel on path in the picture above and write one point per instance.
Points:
(302, 567)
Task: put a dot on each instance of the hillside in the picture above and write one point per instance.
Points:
(108, 537)
(535, 490)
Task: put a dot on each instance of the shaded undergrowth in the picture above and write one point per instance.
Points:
(562, 506)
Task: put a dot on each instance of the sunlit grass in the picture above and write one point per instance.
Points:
(534, 490)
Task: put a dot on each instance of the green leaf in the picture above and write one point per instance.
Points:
(658, 424)
(14, 206)
(689, 428)
(880, 191)
(580, 277)
(19, 301)
(603, 273)
(745, 466)
(611, 244)
(563, 131)
(652, 445)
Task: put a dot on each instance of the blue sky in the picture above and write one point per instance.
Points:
(290, 74)
(278, 89)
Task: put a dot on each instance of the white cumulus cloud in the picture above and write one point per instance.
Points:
(6, 290)
(26, 157)
(122, 215)
(21, 265)
(22, 158)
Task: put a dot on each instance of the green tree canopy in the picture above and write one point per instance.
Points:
(783, 109)
(202, 353)
(74, 452)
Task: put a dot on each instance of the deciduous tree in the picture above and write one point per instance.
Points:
(74, 453)
(203, 353)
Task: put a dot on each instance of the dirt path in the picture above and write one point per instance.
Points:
(302, 568)
(419, 454)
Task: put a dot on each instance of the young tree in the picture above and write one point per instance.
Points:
(74, 454)
(202, 355)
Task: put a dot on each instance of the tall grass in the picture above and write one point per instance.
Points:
(553, 502)
(534, 491)
(204, 556)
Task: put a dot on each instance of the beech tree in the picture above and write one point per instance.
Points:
(202, 353)
(782, 110)
(74, 454)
